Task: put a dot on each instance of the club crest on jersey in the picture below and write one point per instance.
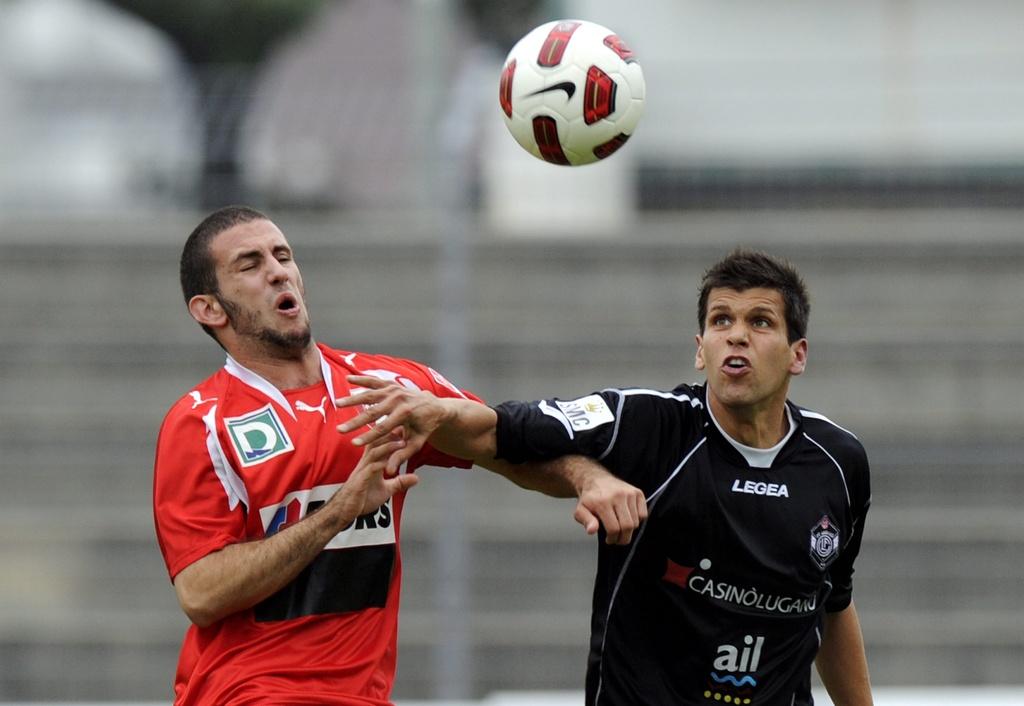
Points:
(824, 542)
(258, 436)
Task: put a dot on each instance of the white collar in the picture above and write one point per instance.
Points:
(757, 458)
(258, 382)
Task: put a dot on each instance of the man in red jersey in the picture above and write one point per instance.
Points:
(280, 535)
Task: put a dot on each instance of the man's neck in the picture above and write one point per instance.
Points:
(758, 428)
(284, 373)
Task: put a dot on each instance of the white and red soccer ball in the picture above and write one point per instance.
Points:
(571, 92)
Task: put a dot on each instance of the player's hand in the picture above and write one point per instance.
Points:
(369, 486)
(389, 408)
(609, 502)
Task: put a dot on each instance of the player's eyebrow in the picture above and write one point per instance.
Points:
(756, 310)
(246, 255)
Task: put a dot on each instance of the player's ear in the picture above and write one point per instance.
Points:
(698, 362)
(799, 361)
(205, 309)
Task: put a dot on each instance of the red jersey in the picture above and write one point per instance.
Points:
(237, 460)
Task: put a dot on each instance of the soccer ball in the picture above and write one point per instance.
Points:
(571, 92)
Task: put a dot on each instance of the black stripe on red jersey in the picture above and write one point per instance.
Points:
(337, 581)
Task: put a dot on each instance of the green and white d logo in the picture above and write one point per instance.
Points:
(258, 436)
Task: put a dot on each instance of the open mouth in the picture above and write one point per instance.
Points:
(287, 303)
(736, 363)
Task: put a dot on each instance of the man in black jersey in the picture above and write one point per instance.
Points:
(742, 574)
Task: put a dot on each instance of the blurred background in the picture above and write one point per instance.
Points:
(878, 144)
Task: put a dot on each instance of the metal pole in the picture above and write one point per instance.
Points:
(445, 185)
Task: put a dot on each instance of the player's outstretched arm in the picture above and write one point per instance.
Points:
(841, 662)
(458, 427)
(466, 429)
(601, 498)
(241, 575)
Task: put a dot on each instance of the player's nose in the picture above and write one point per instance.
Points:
(277, 272)
(738, 334)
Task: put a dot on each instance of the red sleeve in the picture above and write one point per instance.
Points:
(191, 506)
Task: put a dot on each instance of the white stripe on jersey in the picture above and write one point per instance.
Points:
(651, 502)
(236, 369)
(840, 468)
(623, 394)
(694, 401)
(325, 370)
(254, 380)
(654, 496)
(233, 485)
(556, 414)
(822, 417)
(615, 429)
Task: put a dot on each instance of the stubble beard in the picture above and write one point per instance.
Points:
(287, 345)
(279, 345)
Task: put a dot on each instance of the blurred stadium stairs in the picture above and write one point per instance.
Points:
(916, 333)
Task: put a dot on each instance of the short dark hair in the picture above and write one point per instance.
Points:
(746, 269)
(197, 269)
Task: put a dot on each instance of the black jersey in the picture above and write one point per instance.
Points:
(721, 594)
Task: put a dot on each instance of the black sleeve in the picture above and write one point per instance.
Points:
(639, 435)
(537, 431)
(841, 571)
